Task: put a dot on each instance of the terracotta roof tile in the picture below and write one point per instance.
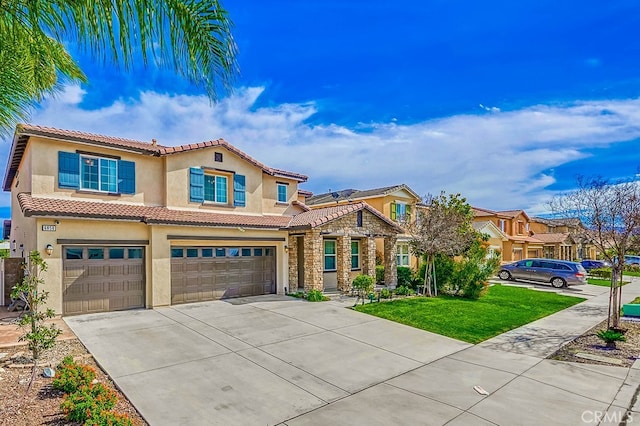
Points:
(37, 206)
(552, 237)
(24, 131)
(318, 217)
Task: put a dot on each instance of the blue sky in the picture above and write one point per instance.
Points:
(505, 102)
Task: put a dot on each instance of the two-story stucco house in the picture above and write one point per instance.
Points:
(398, 203)
(515, 225)
(127, 224)
(563, 238)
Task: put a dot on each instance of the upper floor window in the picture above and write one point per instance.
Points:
(521, 228)
(400, 212)
(96, 173)
(215, 188)
(282, 193)
(502, 225)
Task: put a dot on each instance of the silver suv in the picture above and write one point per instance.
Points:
(560, 273)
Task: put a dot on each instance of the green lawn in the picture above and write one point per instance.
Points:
(631, 273)
(601, 282)
(501, 309)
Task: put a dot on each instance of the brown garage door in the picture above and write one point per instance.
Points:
(101, 279)
(211, 273)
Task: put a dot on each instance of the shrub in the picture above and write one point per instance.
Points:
(109, 418)
(610, 337)
(316, 296)
(603, 273)
(379, 274)
(385, 293)
(88, 402)
(70, 376)
(363, 284)
(298, 294)
(405, 276)
(632, 268)
(403, 291)
(444, 270)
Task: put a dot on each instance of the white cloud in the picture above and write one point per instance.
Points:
(497, 161)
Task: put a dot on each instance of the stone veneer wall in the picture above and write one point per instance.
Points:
(344, 230)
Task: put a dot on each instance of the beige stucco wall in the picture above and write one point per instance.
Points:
(157, 253)
(149, 173)
(270, 204)
(22, 227)
(81, 230)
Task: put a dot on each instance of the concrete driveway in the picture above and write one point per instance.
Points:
(278, 360)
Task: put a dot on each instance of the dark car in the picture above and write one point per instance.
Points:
(559, 273)
(594, 264)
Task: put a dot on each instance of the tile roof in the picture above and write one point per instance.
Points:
(355, 194)
(478, 212)
(38, 206)
(318, 217)
(41, 206)
(510, 213)
(305, 193)
(24, 131)
(552, 237)
(525, 238)
(569, 221)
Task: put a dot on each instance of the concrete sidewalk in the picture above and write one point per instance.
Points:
(277, 360)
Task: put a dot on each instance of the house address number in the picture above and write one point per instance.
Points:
(48, 227)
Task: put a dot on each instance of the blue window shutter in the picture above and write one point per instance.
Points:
(196, 185)
(126, 177)
(68, 170)
(239, 191)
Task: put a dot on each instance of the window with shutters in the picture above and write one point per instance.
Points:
(95, 173)
(215, 188)
(400, 212)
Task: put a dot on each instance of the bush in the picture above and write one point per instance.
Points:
(316, 296)
(405, 276)
(379, 274)
(403, 291)
(70, 376)
(87, 403)
(603, 273)
(298, 295)
(385, 293)
(632, 268)
(109, 418)
(363, 283)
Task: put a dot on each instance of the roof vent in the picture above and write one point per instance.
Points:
(154, 142)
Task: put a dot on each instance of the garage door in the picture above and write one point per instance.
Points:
(102, 279)
(210, 273)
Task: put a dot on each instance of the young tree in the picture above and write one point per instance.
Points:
(610, 212)
(443, 227)
(192, 37)
(38, 336)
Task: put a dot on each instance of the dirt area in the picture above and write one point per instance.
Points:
(41, 406)
(589, 343)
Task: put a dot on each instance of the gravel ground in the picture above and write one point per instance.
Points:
(41, 406)
(590, 343)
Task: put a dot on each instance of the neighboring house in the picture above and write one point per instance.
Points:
(397, 203)
(128, 224)
(563, 238)
(514, 224)
(496, 238)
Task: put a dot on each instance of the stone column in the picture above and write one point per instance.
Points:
(293, 263)
(313, 258)
(369, 256)
(343, 260)
(390, 261)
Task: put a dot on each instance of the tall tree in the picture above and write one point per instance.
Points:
(444, 226)
(191, 37)
(610, 212)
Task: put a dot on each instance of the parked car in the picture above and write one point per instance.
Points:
(559, 273)
(594, 264)
(629, 260)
